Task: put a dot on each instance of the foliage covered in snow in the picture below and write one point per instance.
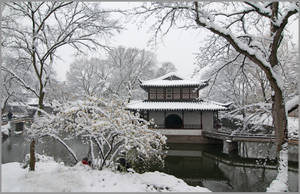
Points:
(56, 177)
(37, 30)
(88, 77)
(109, 129)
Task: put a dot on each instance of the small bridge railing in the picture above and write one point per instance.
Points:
(223, 135)
(18, 119)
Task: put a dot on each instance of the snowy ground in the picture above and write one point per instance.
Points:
(54, 177)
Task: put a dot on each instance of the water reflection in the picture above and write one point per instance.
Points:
(202, 165)
(206, 166)
(16, 147)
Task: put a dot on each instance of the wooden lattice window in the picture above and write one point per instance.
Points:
(168, 93)
(185, 93)
(152, 94)
(176, 93)
(159, 93)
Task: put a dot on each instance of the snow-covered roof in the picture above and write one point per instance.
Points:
(172, 79)
(198, 105)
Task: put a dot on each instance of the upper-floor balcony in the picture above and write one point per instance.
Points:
(172, 87)
(172, 94)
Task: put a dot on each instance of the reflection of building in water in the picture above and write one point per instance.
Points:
(194, 167)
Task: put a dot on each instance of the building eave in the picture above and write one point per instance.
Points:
(175, 106)
(198, 85)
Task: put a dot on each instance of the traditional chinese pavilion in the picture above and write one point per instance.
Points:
(174, 105)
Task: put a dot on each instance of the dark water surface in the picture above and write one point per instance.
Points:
(206, 166)
(202, 165)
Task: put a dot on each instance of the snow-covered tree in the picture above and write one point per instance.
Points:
(7, 91)
(10, 90)
(59, 91)
(36, 30)
(109, 129)
(2, 99)
(243, 83)
(89, 77)
(228, 82)
(165, 68)
(130, 65)
(236, 24)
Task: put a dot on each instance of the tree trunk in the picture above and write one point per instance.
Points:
(280, 120)
(280, 123)
(32, 156)
(279, 113)
(41, 100)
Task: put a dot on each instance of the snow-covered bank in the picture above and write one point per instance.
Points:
(293, 123)
(4, 129)
(54, 177)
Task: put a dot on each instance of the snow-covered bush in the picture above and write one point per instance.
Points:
(106, 126)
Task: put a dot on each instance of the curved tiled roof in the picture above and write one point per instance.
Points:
(163, 81)
(199, 105)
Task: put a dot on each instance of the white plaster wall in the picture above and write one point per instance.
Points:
(192, 118)
(207, 119)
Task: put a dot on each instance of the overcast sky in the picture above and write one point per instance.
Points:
(178, 46)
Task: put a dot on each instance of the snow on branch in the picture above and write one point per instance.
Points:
(20, 80)
(239, 45)
(292, 104)
(113, 129)
(63, 143)
(262, 9)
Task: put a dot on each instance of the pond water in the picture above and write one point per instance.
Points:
(206, 166)
(202, 165)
